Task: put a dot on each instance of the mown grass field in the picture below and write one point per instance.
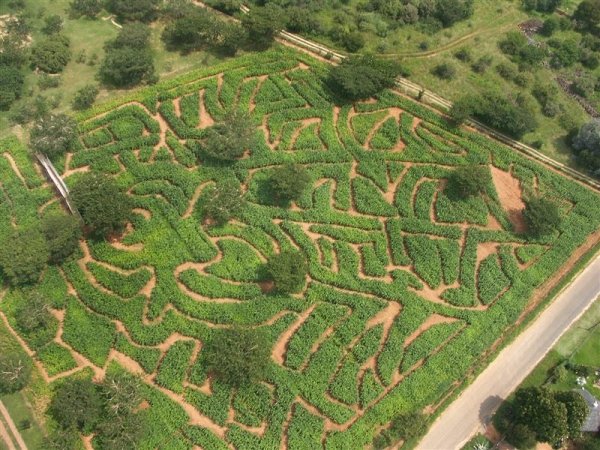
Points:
(407, 288)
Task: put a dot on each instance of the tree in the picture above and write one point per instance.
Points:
(53, 134)
(88, 8)
(62, 234)
(451, 11)
(262, 23)
(104, 208)
(134, 10)
(521, 437)
(32, 313)
(85, 97)
(11, 86)
(577, 411)
(360, 77)
(221, 202)
(122, 425)
(51, 54)
(587, 14)
(52, 24)
(288, 270)
(587, 146)
(536, 408)
(191, 32)
(23, 256)
(129, 60)
(15, 372)
(468, 181)
(546, 6)
(78, 404)
(289, 182)
(461, 110)
(229, 140)
(63, 439)
(542, 216)
(238, 356)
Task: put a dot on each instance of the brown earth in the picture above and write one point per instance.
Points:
(511, 197)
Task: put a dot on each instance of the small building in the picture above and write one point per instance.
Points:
(592, 421)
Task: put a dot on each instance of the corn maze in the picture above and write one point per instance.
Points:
(407, 288)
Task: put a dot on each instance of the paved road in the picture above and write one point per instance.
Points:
(466, 415)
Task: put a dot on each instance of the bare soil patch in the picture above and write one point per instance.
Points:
(511, 197)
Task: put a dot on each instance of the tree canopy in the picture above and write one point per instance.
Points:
(33, 312)
(15, 371)
(104, 208)
(134, 10)
(88, 8)
(288, 271)
(228, 140)
(62, 234)
(542, 216)
(289, 182)
(77, 403)
(360, 77)
(238, 356)
(262, 23)
(587, 146)
(468, 181)
(53, 134)
(221, 202)
(11, 87)
(51, 54)
(540, 411)
(23, 256)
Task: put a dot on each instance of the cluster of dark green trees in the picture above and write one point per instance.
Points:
(537, 414)
(110, 409)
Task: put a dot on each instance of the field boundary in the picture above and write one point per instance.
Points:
(423, 95)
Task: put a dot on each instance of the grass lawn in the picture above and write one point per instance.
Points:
(28, 404)
(87, 39)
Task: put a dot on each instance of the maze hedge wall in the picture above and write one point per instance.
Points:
(406, 289)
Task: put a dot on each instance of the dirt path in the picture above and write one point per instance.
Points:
(511, 197)
(5, 436)
(280, 347)
(12, 427)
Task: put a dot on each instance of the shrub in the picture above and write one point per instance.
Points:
(134, 10)
(468, 181)
(230, 139)
(444, 71)
(52, 24)
(102, 205)
(85, 97)
(288, 270)
(53, 134)
(587, 146)
(15, 372)
(32, 312)
(51, 54)
(238, 356)
(11, 87)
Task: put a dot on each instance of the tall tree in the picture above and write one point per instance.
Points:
(230, 139)
(537, 408)
(221, 202)
(52, 53)
(103, 206)
(53, 134)
(62, 234)
(289, 182)
(288, 271)
(11, 87)
(577, 411)
(23, 256)
(88, 8)
(468, 181)
(33, 312)
(77, 403)
(262, 23)
(587, 146)
(542, 216)
(15, 372)
(360, 77)
(134, 10)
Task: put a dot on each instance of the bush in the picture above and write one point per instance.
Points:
(444, 71)
(482, 64)
(52, 24)
(584, 85)
(104, 208)
(586, 145)
(15, 372)
(288, 270)
(62, 234)
(261, 24)
(85, 97)
(542, 216)
(51, 54)
(53, 135)
(360, 77)
(33, 313)
(463, 54)
(23, 256)
(238, 356)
